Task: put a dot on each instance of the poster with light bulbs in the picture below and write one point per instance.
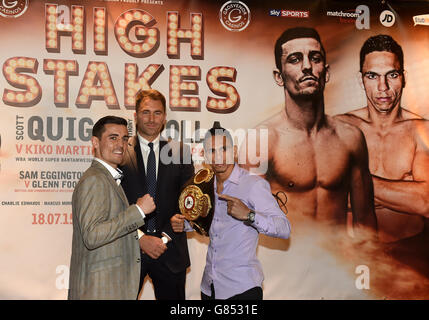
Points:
(65, 64)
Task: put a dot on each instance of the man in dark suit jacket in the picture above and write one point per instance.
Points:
(162, 177)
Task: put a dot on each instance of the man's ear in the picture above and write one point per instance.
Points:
(327, 74)
(359, 78)
(278, 78)
(95, 145)
(135, 121)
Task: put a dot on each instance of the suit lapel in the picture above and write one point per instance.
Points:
(139, 164)
(120, 191)
(112, 181)
(132, 151)
(162, 168)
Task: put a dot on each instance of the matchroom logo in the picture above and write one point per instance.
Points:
(234, 16)
(359, 16)
(13, 9)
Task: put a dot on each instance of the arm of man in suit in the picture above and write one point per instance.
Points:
(187, 170)
(92, 207)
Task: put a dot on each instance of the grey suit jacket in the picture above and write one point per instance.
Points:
(105, 260)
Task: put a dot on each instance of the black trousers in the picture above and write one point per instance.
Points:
(167, 285)
(254, 293)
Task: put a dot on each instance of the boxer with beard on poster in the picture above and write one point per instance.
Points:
(319, 161)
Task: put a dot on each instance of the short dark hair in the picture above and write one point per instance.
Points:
(99, 126)
(295, 33)
(151, 94)
(217, 130)
(381, 42)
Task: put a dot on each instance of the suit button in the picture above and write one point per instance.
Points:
(138, 260)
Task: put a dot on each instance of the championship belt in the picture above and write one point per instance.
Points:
(196, 201)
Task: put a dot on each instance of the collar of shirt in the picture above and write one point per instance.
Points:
(234, 177)
(144, 144)
(112, 170)
(145, 150)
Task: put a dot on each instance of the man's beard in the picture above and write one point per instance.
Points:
(307, 96)
(301, 94)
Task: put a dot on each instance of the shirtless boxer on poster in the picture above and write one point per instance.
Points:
(397, 142)
(317, 160)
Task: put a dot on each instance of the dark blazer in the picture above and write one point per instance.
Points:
(171, 178)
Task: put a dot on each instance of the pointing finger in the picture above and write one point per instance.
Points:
(226, 197)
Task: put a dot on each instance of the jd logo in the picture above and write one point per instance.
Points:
(362, 22)
(387, 18)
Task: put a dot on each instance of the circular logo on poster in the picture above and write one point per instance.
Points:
(234, 16)
(13, 8)
(387, 18)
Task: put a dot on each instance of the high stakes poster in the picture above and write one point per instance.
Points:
(67, 63)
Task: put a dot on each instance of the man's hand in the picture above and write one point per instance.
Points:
(146, 203)
(178, 222)
(152, 246)
(235, 207)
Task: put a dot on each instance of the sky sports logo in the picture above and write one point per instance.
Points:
(289, 13)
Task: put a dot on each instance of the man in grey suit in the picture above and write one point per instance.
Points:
(105, 260)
